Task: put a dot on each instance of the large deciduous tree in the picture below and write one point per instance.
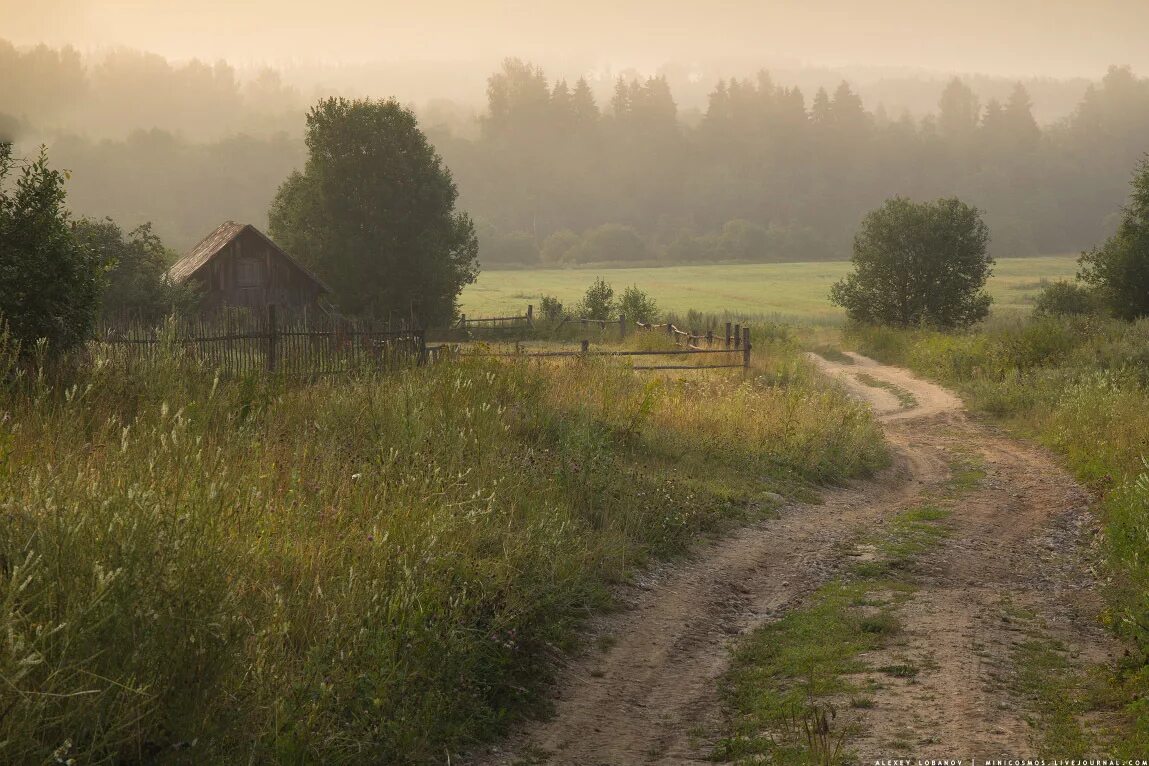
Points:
(1119, 268)
(49, 282)
(373, 212)
(918, 264)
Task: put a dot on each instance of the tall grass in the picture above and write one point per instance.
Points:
(368, 570)
(1081, 386)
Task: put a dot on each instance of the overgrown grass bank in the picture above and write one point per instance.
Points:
(372, 570)
(1080, 386)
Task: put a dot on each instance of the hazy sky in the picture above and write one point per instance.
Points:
(1011, 37)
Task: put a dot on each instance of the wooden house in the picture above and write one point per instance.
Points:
(238, 265)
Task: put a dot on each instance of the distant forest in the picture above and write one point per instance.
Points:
(558, 172)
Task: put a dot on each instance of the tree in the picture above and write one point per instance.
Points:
(49, 283)
(558, 246)
(958, 111)
(373, 213)
(1119, 269)
(918, 263)
(136, 266)
(610, 243)
(637, 306)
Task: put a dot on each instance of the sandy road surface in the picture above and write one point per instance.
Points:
(651, 697)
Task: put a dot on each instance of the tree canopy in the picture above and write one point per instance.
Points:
(49, 282)
(1119, 268)
(373, 213)
(918, 264)
(136, 263)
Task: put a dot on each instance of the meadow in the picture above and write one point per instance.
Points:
(779, 291)
(372, 569)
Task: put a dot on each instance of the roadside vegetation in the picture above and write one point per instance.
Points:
(1075, 376)
(1079, 385)
(380, 569)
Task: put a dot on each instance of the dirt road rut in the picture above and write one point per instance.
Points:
(1018, 543)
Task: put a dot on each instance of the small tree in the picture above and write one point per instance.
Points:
(637, 306)
(49, 283)
(137, 263)
(598, 303)
(918, 263)
(373, 212)
(1119, 269)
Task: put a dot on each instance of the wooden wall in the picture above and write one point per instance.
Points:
(249, 272)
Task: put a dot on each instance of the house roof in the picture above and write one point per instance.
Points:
(213, 243)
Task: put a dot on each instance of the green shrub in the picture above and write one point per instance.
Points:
(550, 308)
(1064, 298)
(637, 306)
(598, 302)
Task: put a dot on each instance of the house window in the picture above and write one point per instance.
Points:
(248, 272)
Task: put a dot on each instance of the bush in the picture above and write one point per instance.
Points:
(1064, 298)
(550, 308)
(637, 306)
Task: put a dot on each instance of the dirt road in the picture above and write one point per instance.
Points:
(651, 695)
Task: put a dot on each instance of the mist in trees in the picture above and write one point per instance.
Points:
(633, 169)
(768, 173)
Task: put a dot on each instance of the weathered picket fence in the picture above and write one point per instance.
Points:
(240, 342)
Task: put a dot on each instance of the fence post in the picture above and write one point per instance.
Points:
(585, 346)
(272, 338)
(622, 325)
(728, 335)
(530, 314)
(463, 321)
(746, 348)
(422, 348)
(709, 338)
(737, 336)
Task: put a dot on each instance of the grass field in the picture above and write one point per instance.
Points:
(789, 290)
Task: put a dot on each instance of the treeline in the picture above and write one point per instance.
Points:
(555, 174)
(769, 174)
(47, 90)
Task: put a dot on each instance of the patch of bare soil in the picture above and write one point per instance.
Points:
(646, 691)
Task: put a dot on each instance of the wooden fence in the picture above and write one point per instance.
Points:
(687, 351)
(521, 322)
(240, 342)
